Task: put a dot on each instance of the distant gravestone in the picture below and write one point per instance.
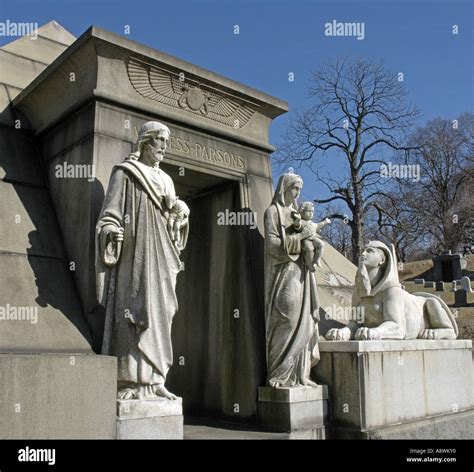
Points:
(466, 284)
(429, 284)
(440, 286)
(419, 281)
(460, 297)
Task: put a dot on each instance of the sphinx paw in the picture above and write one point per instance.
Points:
(335, 334)
(366, 334)
(429, 334)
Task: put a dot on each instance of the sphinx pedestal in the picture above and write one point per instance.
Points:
(300, 411)
(150, 419)
(399, 389)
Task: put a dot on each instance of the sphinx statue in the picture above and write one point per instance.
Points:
(389, 312)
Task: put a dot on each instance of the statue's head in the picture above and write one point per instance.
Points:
(373, 256)
(376, 255)
(288, 189)
(152, 141)
(306, 210)
(181, 210)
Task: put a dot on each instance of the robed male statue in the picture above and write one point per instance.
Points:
(137, 262)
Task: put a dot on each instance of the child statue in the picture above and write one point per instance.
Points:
(312, 249)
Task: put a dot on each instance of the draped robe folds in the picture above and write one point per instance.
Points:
(136, 279)
(291, 300)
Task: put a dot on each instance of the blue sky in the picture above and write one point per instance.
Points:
(282, 36)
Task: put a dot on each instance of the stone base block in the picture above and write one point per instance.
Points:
(57, 396)
(389, 388)
(150, 419)
(300, 410)
(454, 426)
(315, 433)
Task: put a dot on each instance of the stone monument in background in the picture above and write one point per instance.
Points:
(448, 267)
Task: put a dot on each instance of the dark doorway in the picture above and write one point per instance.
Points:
(218, 331)
(447, 269)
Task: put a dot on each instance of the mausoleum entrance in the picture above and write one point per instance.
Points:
(218, 159)
(216, 340)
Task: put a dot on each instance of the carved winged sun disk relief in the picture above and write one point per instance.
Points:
(160, 85)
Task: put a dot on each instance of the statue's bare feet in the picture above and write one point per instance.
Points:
(161, 391)
(310, 383)
(146, 392)
(127, 394)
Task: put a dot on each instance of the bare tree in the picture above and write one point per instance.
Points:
(393, 218)
(360, 109)
(443, 196)
(338, 233)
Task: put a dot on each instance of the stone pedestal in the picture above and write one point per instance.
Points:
(150, 419)
(399, 389)
(300, 411)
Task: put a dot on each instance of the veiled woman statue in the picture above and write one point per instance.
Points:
(137, 262)
(291, 299)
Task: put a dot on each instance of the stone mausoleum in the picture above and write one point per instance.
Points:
(70, 105)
